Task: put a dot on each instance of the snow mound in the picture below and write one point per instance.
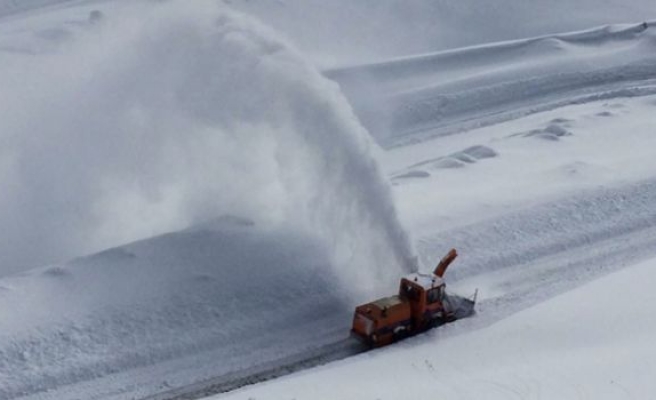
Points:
(234, 291)
(553, 132)
(460, 159)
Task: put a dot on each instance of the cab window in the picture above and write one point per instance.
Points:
(434, 295)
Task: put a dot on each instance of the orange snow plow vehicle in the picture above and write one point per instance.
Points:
(422, 303)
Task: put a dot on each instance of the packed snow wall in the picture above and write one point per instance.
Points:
(156, 117)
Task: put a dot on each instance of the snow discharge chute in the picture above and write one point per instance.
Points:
(168, 115)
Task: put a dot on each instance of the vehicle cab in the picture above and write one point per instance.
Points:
(426, 294)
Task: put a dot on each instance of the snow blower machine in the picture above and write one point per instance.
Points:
(422, 303)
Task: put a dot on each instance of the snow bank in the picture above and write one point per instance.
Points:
(166, 115)
(229, 292)
(409, 99)
(387, 28)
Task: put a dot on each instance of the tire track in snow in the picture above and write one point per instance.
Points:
(265, 372)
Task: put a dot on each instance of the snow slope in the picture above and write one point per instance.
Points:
(437, 94)
(292, 222)
(208, 292)
(385, 29)
(339, 32)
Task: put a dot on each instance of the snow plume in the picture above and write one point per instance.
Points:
(170, 115)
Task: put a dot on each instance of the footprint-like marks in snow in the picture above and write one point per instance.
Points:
(57, 272)
(460, 159)
(469, 155)
(554, 131)
(412, 174)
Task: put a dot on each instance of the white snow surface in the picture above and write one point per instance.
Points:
(339, 32)
(326, 31)
(123, 121)
(593, 342)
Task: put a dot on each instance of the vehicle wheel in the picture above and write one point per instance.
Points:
(400, 333)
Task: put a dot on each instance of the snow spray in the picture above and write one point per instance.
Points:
(167, 115)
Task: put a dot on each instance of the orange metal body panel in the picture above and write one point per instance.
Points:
(380, 321)
(425, 306)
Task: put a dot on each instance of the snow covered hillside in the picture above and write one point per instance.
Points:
(325, 30)
(437, 94)
(258, 211)
(341, 32)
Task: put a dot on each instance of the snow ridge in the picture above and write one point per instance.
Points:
(435, 94)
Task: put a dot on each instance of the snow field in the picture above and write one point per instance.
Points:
(603, 144)
(142, 128)
(388, 29)
(409, 99)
